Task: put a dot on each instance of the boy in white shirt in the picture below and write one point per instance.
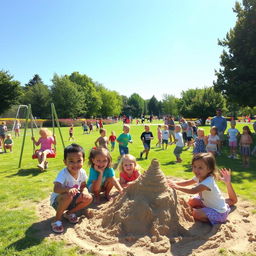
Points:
(232, 138)
(70, 193)
(179, 143)
(165, 137)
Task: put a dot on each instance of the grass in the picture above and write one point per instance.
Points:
(22, 189)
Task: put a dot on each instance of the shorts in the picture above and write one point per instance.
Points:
(245, 150)
(184, 136)
(233, 144)
(189, 138)
(221, 135)
(48, 151)
(214, 216)
(71, 205)
(177, 151)
(113, 143)
(211, 148)
(2, 136)
(146, 145)
(165, 142)
(70, 134)
(123, 150)
(172, 132)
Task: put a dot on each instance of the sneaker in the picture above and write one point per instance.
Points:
(41, 167)
(230, 156)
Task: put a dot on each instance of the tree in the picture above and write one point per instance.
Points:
(237, 77)
(200, 103)
(169, 105)
(10, 91)
(153, 106)
(39, 96)
(137, 105)
(66, 97)
(92, 100)
(111, 102)
(35, 80)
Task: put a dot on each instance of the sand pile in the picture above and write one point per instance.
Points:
(150, 218)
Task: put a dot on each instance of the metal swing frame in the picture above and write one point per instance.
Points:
(30, 116)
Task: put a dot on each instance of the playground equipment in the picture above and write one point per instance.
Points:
(54, 119)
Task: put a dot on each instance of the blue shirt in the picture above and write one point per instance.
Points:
(108, 173)
(220, 122)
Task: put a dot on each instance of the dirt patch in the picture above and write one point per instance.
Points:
(149, 218)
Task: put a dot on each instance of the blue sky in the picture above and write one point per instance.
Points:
(144, 46)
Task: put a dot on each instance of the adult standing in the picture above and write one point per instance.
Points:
(171, 128)
(220, 122)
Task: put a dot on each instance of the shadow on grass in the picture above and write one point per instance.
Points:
(34, 235)
(26, 172)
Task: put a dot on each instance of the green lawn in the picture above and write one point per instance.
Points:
(21, 189)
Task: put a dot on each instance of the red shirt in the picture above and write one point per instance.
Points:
(112, 138)
(134, 176)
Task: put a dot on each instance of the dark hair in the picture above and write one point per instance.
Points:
(99, 151)
(102, 130)
(73, 148)
(209, 160)
(215, 129)
(246, 127)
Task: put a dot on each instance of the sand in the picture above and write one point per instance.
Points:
(150, 218)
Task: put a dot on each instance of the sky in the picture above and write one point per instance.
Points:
(149, 47)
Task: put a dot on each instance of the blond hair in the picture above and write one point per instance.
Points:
(46, 131)
(127, 157)
(200, 130)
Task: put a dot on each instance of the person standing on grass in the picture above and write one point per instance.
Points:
(179, 143)
(71, 133)
(171, 127)
(159, 136)
(220, 122)
(3, 130)
(102, 141)
(146, 138)
(123, 140)
(70, 193)
(17, 126)
(112, 139)
(232, 138)
(245, 145)
(184, 126)
(165, 134)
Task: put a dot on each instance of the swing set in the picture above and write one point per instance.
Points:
(54, 120)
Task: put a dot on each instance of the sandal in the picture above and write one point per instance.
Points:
(57, 226)
(70, 217)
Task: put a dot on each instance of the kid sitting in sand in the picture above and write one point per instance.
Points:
(128, 170)
(210, 205)
(70, 192)
(102, 176)
(46, 140)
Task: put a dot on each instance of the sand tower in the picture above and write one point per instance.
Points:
(148, 210)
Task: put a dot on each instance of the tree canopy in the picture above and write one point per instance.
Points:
(236, 79)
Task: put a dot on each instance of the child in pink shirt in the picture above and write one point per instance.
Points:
(46, 140)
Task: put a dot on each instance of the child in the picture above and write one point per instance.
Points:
(70, 192)
(46, 140)
(102, 176)
(194, 127)
(85, 128)
(71, 132)
(232, 134)
(165, 135)
(245, 143)
(128, 170)
(146, 138)
(210, 206)
(179, 143)
(159, 136)
(90, 127)
(3, 130)
(8, 143)
(190, 134)
(112, 139)
(124, 139)
(200, 142)
(102, 141)
(17, 126)
(212, 141)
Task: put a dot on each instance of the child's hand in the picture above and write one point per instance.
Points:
(170, 183)
(99, 169)
(85, 195)
(73, 191)
(225, 175)
(33, 138)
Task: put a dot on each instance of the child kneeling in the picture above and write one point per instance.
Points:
(70, 193)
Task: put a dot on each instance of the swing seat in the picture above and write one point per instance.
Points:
(49, 155)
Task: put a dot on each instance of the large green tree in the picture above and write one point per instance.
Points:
(66, 97)
(236, 78)
(10, 91)
(169, 105)
(153, 106)
(92, 100)
(137, 105)
(35, 80)
(200, 103)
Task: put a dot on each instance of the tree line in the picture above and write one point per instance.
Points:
(78, 95)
